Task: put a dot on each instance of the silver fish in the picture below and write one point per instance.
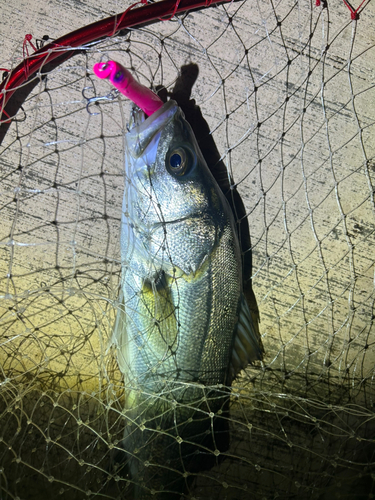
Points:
(184, 329)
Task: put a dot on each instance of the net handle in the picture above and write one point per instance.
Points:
(100, 29)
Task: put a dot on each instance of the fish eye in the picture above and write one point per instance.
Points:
(178, 162)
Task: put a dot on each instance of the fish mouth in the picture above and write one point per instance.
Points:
(143, 131)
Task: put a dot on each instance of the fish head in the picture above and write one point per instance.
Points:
(173, 208)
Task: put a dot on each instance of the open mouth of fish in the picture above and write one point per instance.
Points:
(142, 129)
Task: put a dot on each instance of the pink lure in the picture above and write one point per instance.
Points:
(124, 81)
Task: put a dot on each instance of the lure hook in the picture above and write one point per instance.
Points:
(111, 96)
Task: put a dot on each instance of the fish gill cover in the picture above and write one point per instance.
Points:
(281, 101)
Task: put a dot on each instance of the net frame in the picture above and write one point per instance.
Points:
(105, 28)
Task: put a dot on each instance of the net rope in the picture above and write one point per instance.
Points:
(287, 90)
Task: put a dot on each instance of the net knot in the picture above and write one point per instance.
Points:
(25, 51)
(28, 38)
(354, 14)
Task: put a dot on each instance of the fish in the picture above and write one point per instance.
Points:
(183, 330)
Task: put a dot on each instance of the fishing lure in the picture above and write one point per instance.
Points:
(124, 81)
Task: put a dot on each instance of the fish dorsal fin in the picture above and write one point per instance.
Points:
(247, 344)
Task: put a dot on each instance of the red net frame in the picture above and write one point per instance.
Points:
(105, 28)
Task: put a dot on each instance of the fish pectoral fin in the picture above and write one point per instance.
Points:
(247, 345)
(157, 302)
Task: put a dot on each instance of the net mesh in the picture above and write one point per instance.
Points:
(287, 90)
